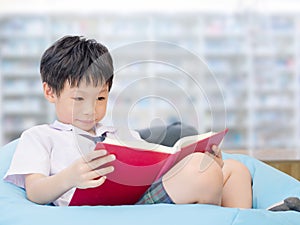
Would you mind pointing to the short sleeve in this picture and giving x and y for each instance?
(32, 155)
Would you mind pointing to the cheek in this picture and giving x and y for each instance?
(76, 107)
(65, 113)
(101, 110)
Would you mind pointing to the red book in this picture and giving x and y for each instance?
(138, 165)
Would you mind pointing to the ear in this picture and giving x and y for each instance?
(48, 93)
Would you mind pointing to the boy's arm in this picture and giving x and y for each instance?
(86, 172)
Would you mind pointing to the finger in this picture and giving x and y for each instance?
(218, 155)
(94, 154)
(105, 171)
(216, 150)
(94, 183)
(98, 182)
(218, 160)
(101, 161)
(211, 151)
(99, 172)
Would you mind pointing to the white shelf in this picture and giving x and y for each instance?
(253, 57)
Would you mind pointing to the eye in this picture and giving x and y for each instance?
(78, 98)
(101, 98)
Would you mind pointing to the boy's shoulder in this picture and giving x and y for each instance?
(45, 133)
(39, 130)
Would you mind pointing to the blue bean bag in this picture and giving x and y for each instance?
(269, 186)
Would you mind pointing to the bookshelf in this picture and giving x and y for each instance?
(22, 103)
(249, 79)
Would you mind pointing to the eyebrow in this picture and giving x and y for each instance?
(83, 91)
(104, 90)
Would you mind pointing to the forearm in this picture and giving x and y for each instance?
(85, 172)
(46, 189)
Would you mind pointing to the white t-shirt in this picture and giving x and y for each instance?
(48, 149)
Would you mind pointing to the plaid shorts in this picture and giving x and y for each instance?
(155, 194)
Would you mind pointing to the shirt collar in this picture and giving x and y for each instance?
(100, 129)
(61, 126)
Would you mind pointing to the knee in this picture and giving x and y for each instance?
(195, 179)
(199, 163)
(236, 168)
(206, 179)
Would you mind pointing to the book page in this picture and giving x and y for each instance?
(201, 142)
(141, 145)
(185, 141)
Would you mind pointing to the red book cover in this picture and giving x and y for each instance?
(137, 166)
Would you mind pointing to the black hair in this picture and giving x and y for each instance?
(73, 59)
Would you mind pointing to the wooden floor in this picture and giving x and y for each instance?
(290, 167)
(288, 161)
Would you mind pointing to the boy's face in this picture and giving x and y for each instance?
(82, 106)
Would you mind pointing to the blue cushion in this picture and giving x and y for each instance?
(269, 187)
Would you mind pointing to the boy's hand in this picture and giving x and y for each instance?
(86, 172)
(216, 153)
(89, 171)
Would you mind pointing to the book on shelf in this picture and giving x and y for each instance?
(138, 165)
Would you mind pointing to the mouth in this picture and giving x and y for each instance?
(87, 122)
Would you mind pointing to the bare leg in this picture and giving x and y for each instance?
(196, 179)
(237, 190)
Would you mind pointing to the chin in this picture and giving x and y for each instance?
(84, 126)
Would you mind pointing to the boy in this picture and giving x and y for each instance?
(77, 76)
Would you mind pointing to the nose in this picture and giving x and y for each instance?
(89, 108)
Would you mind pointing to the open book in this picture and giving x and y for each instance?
(138, 165)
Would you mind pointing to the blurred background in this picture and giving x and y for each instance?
(207, 63)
